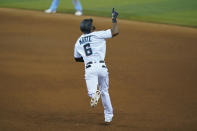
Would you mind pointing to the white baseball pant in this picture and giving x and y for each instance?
(97, 74)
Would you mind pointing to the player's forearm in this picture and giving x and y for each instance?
(115, 30)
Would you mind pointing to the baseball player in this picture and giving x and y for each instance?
(90, 48)
(55, 4)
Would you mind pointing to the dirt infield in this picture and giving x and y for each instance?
(153, 75)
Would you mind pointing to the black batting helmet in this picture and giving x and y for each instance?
(86, 26)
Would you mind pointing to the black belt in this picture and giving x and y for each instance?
(91, 62)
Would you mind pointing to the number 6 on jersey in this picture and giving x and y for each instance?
(87, 49)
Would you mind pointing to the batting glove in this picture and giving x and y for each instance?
(114, 16)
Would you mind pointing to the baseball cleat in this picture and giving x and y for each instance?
(95, 99)
(49, 11)
(78, 13)
(108, 121)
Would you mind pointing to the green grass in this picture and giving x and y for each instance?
(179, 12)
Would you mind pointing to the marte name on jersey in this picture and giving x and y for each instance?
(85, 39)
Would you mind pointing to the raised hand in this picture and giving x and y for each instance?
(114, 15)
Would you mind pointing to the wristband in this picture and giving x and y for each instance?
(114, 20)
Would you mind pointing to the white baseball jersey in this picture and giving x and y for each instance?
(92, 46)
